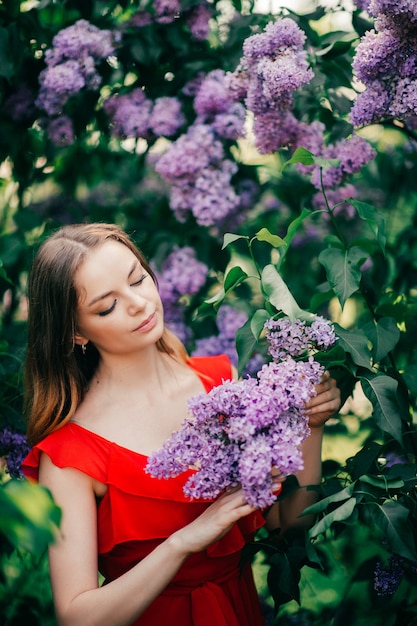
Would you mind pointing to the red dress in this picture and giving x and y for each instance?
(138, 512)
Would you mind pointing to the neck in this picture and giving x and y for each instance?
(145, 370)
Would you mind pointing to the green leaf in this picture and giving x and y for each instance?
(278, 294)
(295, 225)
(257, 322)
(369, 214)
(233, 278)
(384, 336)
(381, 482)
(29, 517)
(341, 514)
(245, 344)
(301, 155)
(392, 518)
(410, 378)
(381, 390)
(6, 63)
(265, 235)
(343, 270)
(229, 238)
(339, 496)
(355, 343)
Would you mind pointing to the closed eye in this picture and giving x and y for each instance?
(107, 311)
(140, 281)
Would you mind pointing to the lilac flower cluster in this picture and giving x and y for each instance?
(71, 64)
(166, 10)
(200, 176)
(215, 106)
(386, 63)
(134, 115)
(296, 338)
(239, 430)
(198, 20)
(387, 577)
(274, 65)
(228, 320)
(14, 447)
(182, 274)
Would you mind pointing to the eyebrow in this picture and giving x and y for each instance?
(108, 293)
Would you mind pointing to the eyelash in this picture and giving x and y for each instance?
(135, 284)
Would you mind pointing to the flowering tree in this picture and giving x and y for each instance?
(265, 164)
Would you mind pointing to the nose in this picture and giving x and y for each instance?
(136, 303)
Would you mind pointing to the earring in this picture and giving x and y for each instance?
(84, 348)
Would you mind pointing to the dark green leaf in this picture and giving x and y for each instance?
(381, 390)
(355, 343)
(369, 214)
(341, 514)
(343, 270)
(384, 336)
(392, 518)
(245, 345)
(410, 378)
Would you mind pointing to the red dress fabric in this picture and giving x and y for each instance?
(138, 512)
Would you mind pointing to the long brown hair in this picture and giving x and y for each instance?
(56, 372)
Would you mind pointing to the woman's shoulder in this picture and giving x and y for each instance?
(218, 368)
(73, 446)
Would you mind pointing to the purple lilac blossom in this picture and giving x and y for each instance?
(272, 67)
(166, 10)
(198, 21)
(71, 64)
(239, 430)
(60, 130)
(14, 447)
(166, 117)
(20, 105)
(353, 154)
(295, 338)
(181, 274)
(214, 105)
(386, 63)
(387, 577)
(200, 176)
(130, 114)
(337, 200)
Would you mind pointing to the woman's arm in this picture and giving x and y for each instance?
(73, 558)
(321, 407)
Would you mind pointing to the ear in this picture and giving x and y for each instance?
(79, 340)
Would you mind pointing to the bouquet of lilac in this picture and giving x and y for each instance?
(239, 430)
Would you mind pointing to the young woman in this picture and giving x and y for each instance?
(106, 385)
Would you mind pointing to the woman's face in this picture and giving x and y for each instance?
(119, 308)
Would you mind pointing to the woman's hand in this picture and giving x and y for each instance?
(214, 523)
(325, 403)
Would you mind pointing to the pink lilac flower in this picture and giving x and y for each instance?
(58, 84)
(239, 430)
(198, 20)
(392, 8)
(371, 105)
(130, 114)
(166, 117)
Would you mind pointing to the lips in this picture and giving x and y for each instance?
(147, 324)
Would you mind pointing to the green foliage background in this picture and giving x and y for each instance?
(368, 508)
